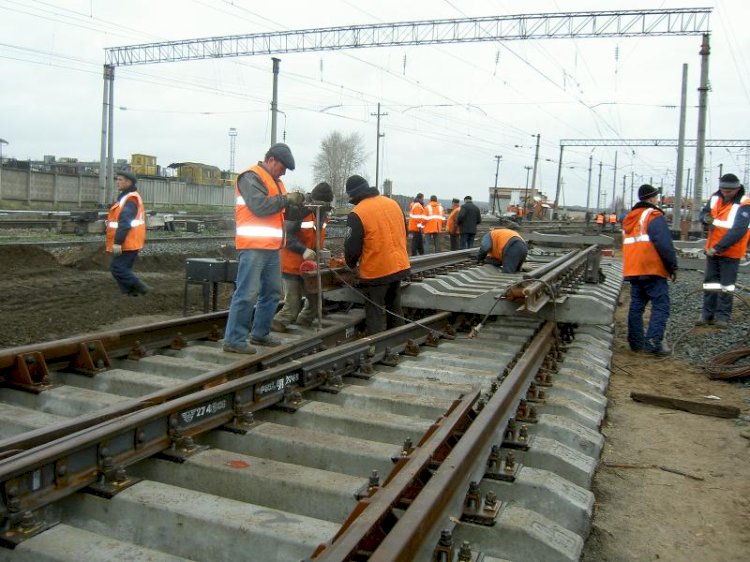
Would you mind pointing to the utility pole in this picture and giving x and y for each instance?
(2, 142)
(232, 146)
(624, 178)
(559, 178)
(588, 189)
(377, 147)
(599, 189)
(275, 99)
(677, 206)
(526, 197)
(721, 170)
(700, 144)
(498, 157)
(632, 179)
(536, 160)
(614, 182)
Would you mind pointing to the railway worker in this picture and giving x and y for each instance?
(376, 242)
(649, 259)
(599, 222)
(434, 222)
(304, 236)
(126, 234)
(503, 247)
(451, 227)
(727, 215)
(612, 221)
(260, 203)
(467, 220)
(416, 225)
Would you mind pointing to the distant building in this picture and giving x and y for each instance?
(143, 165)
(200, 174)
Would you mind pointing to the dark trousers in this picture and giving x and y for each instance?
(454, 242)
(380, 298)
(121, 268)
(514, 254)
(717, 304)
(643, 291)
(433, 242)
(467, 240)
(417, 244)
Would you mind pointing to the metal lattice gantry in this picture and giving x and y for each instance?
(710, 143)
(570, 25)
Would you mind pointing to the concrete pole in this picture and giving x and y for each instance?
(111, 139)
(559, 177)
(701, 138)
(103, 147)
(623, 192)
(614, 182)
(588, 186)
(498, 157)
(275, 98)
(599, 190)
(677, 208)
(536, 161)
(377, 148)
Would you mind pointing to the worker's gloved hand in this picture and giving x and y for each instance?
(308, 254)
(296, 198)
(711, 252)
(708, 219)
(116, 249)
(673, 277)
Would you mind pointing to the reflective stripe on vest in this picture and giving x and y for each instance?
(136, 236)
(254, 232)
(724, 215)
(718, 287)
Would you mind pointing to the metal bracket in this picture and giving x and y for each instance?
(21, 526)
(91, 358)
(478, 509)
(183, 447)
(30, 373)
(505, 470)
(242, 423)
(112, 480)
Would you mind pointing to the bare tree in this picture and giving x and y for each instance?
(339, 157)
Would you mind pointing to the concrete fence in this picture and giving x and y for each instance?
(32, 187)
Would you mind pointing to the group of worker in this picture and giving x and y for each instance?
(649, 259)
(427, 222)
(604, 219)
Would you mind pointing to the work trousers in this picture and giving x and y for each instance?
(417, 244)
(454, 242)
(298, 309)
(380, 298)
(467, 240)
(642, 291)
(121, 268)
(433, 243)
(721, 273)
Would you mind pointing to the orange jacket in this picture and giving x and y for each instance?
(612, 218)
(291, 260)
(384, 248)
(416, 217)
(724, 215)
(450, 225)
(253, 232)
(136, 236)
(600, 219)
(639, 253)
(500, 238)
(435, 217)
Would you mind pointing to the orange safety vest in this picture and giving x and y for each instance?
(435, 217)
(136, 236)
(416, 217)
(612, 218)
(724, 215)
(450, 225)
(600, 219)
(384, 245)
(500, 238)
(254, 232)
(291, 260)
(639, 253)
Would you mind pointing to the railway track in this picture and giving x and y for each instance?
(459, 436)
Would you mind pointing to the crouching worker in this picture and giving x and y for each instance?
(126, 234)
(504, 248)
(301, 232)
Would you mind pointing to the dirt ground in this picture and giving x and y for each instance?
(642, 514)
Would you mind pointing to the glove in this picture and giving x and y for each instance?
(308, 254)
(711, 252)
(673, 277)
(116, 249)
(708, 219)
(296, 198)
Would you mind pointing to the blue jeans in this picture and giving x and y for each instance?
(258, 286)
(121, 268)
(717, 305)
(642, 291)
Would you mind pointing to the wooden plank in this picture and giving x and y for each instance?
(701, 408)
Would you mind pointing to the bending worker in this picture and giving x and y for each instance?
(376, 242)
(301, 231)
(504, 248)
(727, 214)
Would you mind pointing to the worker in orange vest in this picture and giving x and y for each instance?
(451, 227)
(434, 221)
(600, 222)
(416, 225)
(504, 248)
(612, 221)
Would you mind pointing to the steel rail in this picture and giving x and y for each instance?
(97, 456)
(401, 537)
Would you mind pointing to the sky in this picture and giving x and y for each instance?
(450, 109)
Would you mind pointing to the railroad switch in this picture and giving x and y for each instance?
(479, 510)
(30, 373)
(91, 359)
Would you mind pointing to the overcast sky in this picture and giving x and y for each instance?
(451, 108)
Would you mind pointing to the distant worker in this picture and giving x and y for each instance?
(504, 248)
(451, 227)
(434, 222)
(649, 258)
(260, 203)
(416, 225)
(126, 234)
(727, 215)
(468, 218)
(376, 243)
(600, 222)
(303, 236)
(612, 221)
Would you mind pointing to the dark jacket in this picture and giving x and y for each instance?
(468, 218)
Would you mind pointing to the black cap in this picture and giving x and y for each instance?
(729, 181)
(647, 191)
(356, 186)
(128, 175)
(455, 200)
(322, 192)
(282, 153)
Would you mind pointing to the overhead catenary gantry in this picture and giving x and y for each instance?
(564, 25)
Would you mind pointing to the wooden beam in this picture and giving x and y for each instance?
(701, 408)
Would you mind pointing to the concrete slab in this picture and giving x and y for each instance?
(388, 379)
(386, 401)
(15, 420)
(568, 432)
(117, 381)
(66, 401)
(548, 454)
